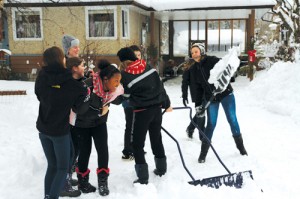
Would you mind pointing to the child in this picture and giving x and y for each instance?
(188, 80)
(147, 97)
(128, 111)
(105, 86)
(57, 92)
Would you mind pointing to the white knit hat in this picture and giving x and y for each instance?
(69, 41)
(201, 46)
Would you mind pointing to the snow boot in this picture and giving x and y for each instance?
(68, 189)
(204, 149)
(161, 166)
(102, 181)
(240, 145)
(189, 132)
(142, 173)
(83, 181)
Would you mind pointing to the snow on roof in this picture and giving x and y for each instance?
(160, 5)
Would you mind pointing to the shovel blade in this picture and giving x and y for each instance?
(232, 180)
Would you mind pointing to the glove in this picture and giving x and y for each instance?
(200, 111)
(185, 101)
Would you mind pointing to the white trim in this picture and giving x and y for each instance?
(128, 23)
(14, 24)
(87, 8)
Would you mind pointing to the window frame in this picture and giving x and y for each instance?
(101, 8)
(14, 25)
(128, 23)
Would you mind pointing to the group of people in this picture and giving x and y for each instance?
(74, 108)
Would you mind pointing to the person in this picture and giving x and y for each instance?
(71, 49)
(147, 96)
(128, 111)
(57, 93)
(105, 86)
(188, 81)
(203, 65)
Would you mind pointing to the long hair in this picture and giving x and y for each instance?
(54, 56)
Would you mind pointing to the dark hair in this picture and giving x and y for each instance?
(135, 48)
(54, 56)
(73, 61)
(106, 69)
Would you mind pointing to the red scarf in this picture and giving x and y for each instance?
(98, 88)
(136, 67)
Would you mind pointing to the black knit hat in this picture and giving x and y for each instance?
(126, 54)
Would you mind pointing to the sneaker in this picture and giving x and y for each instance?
(128, 156)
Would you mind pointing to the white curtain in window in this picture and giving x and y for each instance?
(103, 29)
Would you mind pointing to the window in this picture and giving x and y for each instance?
(27, 24)
(125, 23)
(101, 22)
(213, 36)
(225, 35)
(181, 38)
(239, 34)
(164, 47)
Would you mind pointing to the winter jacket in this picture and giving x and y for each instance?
(189, 81)
(93, 116)
(201, 74)
(145, 89)
(58, 92)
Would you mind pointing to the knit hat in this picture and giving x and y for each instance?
(201, 46)
(126, 54)
(69, 41)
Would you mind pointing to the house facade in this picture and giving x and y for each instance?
(103, 27)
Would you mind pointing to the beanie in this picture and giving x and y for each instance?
(69, 41)
(201, 46)
(126, 54)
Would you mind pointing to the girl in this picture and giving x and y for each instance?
(106, 87)
(57, 92)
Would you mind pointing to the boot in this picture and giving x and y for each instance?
(161, 166)
(189, 132)
(239, 144)
(204, 149)
(83, 181)
(142, 173)
(102, 181)
(68, 189)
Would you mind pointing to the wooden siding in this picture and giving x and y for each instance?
(25, 64)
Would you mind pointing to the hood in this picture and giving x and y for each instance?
(56, 75)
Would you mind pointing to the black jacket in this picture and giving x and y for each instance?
(58, 92)
(147, 92)
(189, 81)
(93, 116)
(202, 73)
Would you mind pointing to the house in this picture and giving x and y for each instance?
(103, 27)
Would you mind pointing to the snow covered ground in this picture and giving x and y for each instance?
(268, 112)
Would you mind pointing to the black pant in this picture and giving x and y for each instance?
(200, 121)
(149, 119)
(128, 130)
(99, 135)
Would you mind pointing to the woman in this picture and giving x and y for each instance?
(57, 92)
(203, 65)
(106, 87)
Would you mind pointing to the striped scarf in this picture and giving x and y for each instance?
(109, 96)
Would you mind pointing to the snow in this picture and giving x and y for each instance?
(268, 112)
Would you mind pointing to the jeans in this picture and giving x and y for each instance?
(228, 104)
(57, 152)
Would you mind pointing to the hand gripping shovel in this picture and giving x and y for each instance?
(230, 179)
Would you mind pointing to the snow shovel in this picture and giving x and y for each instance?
(230, 179)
